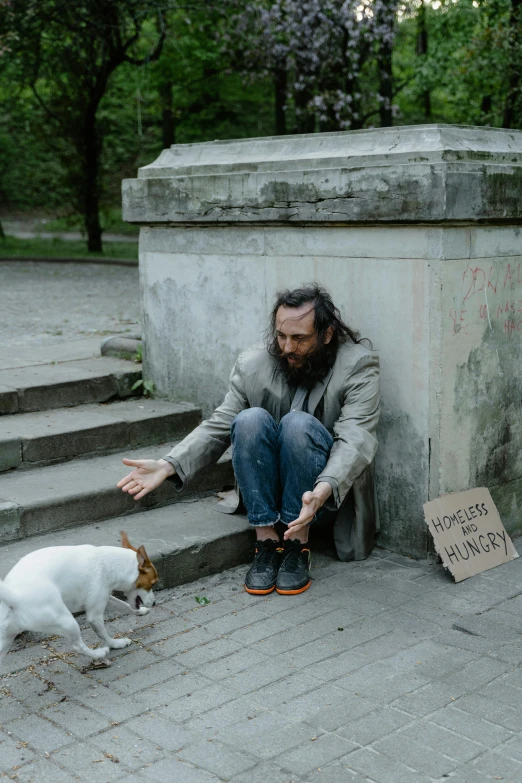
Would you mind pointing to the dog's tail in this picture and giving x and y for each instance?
(7, 596)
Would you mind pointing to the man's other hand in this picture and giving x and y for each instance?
(147, 475)
(312, 502)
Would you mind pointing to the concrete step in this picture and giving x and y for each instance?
(46, 437)
(84, 490)
(186, 541)
(22, 354)
(39, 388)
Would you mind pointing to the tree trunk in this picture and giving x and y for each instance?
(511, 108)
(422, 51)
(384, 64)
(385, 85)
(280, 85)
(485, 107)
(168, 124)
(304, 119)
(91, 195)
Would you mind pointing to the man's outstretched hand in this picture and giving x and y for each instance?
(146, 476)
(312, 502)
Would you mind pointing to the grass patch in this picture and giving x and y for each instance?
(110, 220)
(11, 247)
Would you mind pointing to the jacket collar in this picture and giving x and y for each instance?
(314, 397)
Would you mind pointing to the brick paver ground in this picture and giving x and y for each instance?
(383, 671)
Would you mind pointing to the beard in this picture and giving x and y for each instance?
(315, 366)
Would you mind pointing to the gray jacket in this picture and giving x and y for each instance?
(350, 411)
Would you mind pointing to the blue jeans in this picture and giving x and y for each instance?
(276, 464)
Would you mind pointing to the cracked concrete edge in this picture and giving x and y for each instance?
(79, 509)
(69, 393)
(10, 520)
(29, 451)
(406, 174)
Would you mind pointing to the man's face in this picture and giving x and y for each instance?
(296, 334)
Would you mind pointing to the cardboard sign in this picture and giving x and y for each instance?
(468, 533)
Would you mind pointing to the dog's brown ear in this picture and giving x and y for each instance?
(125, 541)
(143, 558)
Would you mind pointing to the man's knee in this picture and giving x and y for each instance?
(250, 422)
(297, 424)
(300, 430)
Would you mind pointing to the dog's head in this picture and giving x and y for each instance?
(141, 594)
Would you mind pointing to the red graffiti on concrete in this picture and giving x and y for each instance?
(496, 281)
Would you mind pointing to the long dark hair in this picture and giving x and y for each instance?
(326, 314)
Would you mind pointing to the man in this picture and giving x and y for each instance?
(301, 413)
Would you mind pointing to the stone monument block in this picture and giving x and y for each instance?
(416, 233)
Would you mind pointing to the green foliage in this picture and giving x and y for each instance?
(12, 247)
(64, 55)
(111, 220)
(51, 51)
(148, 387)
(465, 68)
(138, 356)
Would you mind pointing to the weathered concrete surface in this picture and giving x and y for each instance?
(121, 347)
(22, 355)
(9, 520)
(44, 387)
(51, 436)
(211, 279)
(481, 377)
(408, 174)
(8, 399)
(75, 493)
(10, 451)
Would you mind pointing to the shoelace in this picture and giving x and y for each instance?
(264, 555)
(292, 555)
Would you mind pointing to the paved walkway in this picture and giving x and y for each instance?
(52, 312)
(383, 671)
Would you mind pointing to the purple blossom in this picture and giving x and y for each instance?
(322, 46)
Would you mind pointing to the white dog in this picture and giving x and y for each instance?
(44, 588)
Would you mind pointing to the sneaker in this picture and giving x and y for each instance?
(294, 572)
(262, 574)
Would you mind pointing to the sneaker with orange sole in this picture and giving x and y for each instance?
(293, 576)
(262, 574)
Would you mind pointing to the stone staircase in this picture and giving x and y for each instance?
(65, 429)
